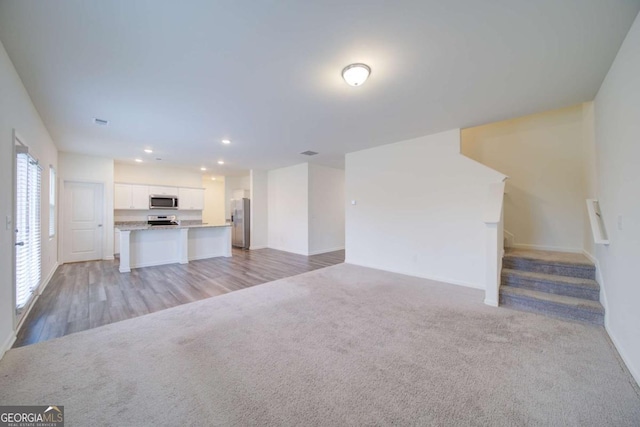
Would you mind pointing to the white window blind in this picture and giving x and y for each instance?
(52, 201)
(28, 232)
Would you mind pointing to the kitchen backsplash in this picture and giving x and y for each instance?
(127, 216)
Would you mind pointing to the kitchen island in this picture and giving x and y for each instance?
(143, 245)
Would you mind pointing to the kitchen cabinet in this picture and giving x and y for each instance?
(156, 190)
(191, 199)
(131, 196)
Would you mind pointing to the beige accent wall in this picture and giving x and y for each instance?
(213, 212)
(544, 156)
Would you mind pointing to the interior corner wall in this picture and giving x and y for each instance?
(326, 209)
(288, 204)
(81, 168)
(213, 212)
(542, 154)
(18, 112)
(617, 123)
(259, 189)
(419, 207)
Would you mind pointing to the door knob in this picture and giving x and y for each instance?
(99, 225)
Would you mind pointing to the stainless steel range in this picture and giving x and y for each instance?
(162, 220)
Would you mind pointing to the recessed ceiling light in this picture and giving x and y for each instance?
(148, 150)
(101, 122)
(221, 162)
(139, 160)
(356, 74)
(203, 169)
(226, 141)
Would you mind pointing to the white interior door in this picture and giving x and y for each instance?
(83, 227)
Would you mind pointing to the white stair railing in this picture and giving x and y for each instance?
(494, 220)
(597, 223)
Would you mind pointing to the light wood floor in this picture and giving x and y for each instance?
(86, 295)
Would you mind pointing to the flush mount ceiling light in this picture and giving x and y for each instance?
(148, 150)
(221, 162)
(203, 169)
(356, 74)
(226, 141)
(138, 160)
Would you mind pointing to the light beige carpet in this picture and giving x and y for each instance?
(339, 346)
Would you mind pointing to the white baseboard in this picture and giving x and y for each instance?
(421, 276)
(7, 344)
(253, 248)
(288, 250)
(12, 338)
(108, 258)
(324, 251)
(625, 358)
(603, 300)
(547, 248)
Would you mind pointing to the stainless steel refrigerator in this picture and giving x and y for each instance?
(240, 223)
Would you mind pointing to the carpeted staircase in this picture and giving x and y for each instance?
(554, 283)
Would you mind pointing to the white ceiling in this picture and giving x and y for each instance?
(178, 76)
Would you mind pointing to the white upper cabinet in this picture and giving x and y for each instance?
(191, 199)
(156, 190)
(130, 196)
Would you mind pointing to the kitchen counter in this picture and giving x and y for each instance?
(144, 245)
(145, 226)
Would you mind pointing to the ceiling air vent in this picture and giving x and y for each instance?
(100, 122)
(308, 153)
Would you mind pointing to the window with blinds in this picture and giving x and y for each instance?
(28, 233)
(52, 201)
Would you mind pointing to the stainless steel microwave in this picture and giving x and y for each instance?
(163, 202)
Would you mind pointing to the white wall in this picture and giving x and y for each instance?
(213, 212)
(617, 122)
(590, 176)
(326, 209)
(419, 210)
(259, 189)
(288, 201)
(81, 168)
(232, 183)
(543, 156)
(156, 175)
(17, 112)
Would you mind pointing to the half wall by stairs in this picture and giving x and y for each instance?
(553, 283)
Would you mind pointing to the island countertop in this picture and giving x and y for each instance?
(135, 226)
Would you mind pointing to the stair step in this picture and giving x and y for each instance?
(556, 305)
(551, 283)
(549, 262)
